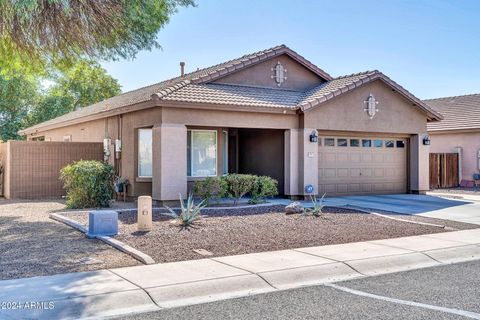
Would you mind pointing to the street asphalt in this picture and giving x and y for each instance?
(443, 292)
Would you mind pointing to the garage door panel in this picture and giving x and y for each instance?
(378, 158)
(330, 173)
(355, 172)
(342, 157)
(355, 157)
(378, 172)
(330, 188)
(354, 188)
(343, 173)
(330, 157)
(362, 169)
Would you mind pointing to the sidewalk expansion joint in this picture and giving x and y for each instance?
(146, 292)
(261, 277)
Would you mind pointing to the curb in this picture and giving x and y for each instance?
(129, 290)
(145, 258)
(140, 256)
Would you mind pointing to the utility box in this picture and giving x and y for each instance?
(144, 213)
(102, 223)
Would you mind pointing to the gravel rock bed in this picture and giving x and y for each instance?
(32, 244)
(247, 232)
(458, 191)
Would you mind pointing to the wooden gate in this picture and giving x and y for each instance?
(443, 170)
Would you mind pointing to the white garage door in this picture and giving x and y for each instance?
(362, 165)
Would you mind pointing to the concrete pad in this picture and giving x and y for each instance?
(389, 264)
(465, 236)
(453, 255)
(306, 276)
(73, 296)
(273, 260)
(155, 275)
(208, 290)
(475, 220)
(418, 243)
(352, 251)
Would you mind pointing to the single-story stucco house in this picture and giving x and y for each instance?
(458, 132)
(272, 113)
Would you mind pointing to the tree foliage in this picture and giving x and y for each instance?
(18, 94)
(84, 84)
(37, 33)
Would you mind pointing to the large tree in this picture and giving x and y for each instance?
(18, 94)
(79, 86)
(38, 33)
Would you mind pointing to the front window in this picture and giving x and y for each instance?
(145, 153)
(202, 153)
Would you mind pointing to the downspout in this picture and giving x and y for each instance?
(120, 137)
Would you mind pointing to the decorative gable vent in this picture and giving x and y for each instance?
(279, 73)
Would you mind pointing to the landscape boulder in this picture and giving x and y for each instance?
(294, 208)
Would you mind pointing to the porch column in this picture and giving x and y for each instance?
(292, 169)
(419, 164)
(169, 162)
(308, 161)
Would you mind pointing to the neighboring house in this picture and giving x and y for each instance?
(269, 113)
(458, 132)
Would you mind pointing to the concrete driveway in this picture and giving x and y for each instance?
(425, 205)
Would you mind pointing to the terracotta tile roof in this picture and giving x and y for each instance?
(195, 88)
(236, 95)
(165, 87)
(461, 112)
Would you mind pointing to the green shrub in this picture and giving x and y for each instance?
(238, 185)
(89, 184)
(189, 213)
(212, 188)
(263, 187)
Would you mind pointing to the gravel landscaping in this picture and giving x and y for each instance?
(32, 244)
(458, 190)
(227, 232)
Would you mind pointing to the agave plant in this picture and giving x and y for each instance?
(317, 207)
(189, 211)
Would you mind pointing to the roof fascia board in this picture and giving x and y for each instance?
(96, 116)
(453, 131)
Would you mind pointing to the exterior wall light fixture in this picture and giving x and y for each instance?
(314, 136)
(426, 140)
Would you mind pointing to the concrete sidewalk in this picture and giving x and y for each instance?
(151, 287)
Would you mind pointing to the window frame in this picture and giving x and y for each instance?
(350, 145)
(329, 139)
(385, 143)
(138, 153)
(191, 150)
(342, 145)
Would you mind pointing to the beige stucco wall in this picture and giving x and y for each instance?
(468, 141)
(298, 77)
(221, 118)
(92, 131)
(346, 112)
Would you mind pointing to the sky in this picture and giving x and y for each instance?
(432, 48)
